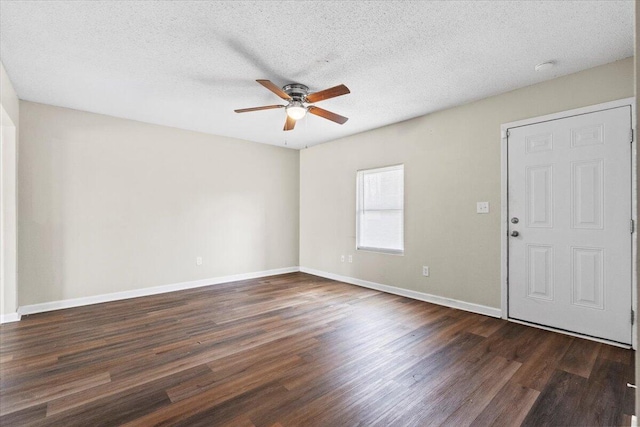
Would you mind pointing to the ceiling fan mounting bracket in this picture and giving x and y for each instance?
(296, 91)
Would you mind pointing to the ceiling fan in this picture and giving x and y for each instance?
(299, 99)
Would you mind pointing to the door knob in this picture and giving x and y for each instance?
(514, 233)
(515, 220)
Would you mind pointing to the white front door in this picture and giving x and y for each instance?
(569, 210)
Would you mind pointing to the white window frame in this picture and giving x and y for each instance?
(359, 202)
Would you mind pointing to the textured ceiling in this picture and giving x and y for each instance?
(190, 64)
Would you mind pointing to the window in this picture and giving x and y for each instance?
(380, 210)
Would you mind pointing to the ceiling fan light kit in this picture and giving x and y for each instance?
(296, 110)
(299, 102)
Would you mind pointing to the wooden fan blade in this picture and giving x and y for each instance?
(327, 115)
(266, 107)
(289, 124)
(328, 93)
(275, 89)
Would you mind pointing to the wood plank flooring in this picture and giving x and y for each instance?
(299, 350)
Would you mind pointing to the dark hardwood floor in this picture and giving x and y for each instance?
(299, 350)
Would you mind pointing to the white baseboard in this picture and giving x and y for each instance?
(97, 299)
(421, 296)
(11, 317)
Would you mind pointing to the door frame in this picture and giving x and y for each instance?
(504, 204)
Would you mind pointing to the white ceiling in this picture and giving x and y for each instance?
(190, 64)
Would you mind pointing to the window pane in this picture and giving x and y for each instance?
(380, 212)
(383, 190)
(382, 230)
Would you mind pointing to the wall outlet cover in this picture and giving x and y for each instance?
(482, 207)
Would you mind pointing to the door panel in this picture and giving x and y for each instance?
(587, 187)
(540, 196)
(588, 277)
(540, 271)
(569, 186)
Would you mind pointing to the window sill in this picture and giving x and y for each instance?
(382, 251)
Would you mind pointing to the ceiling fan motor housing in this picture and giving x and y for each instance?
(296, 91)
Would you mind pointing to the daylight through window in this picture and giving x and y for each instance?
(380, 209)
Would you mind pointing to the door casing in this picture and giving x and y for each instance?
(504, 204)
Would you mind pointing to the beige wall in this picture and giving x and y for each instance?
(110, 205)
(9, 124)
(452, 161)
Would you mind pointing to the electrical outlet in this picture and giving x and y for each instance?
(350, 258)
(482, 207)
(341, 258)
(425, 270)
(199, 260)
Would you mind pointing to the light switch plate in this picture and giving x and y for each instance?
(482, 207)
